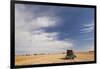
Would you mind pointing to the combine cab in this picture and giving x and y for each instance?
(70, 54)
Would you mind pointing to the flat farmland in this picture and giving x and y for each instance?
(52, 58)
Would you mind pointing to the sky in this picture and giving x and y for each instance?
(53, 29)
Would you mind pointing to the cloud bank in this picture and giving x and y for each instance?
(30, 38)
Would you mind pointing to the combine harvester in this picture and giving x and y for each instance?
(70, 54)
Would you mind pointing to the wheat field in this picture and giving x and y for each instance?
(52, 58)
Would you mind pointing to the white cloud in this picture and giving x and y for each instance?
(30, 38)
(92, 38)
(89, 25)
(29, 20)
(48, 44)
(87, 28)
(49, 21)
(40, 43)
